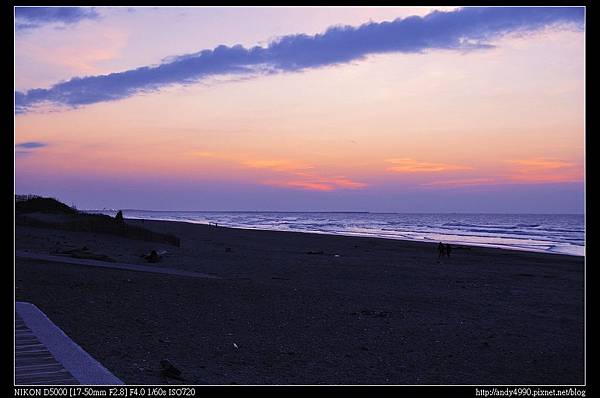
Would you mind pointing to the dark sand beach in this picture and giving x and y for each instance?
(297, 308)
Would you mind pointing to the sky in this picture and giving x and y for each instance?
(383, 109)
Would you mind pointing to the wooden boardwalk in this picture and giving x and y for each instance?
(34, 364)
(45, 355)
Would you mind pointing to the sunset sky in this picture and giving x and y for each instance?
(317, 109)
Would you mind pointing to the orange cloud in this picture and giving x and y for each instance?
(276, 165)
(543, 170)
(295, 174)
(312, 186)
(319, 184)
(409, 165)
(461, 182)
(542, 163)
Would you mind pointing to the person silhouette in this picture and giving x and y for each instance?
(441, 250)
(448, 249)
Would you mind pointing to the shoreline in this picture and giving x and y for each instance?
(359, 235)
(306, 308)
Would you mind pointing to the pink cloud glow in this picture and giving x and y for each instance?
(314, 183)
(543, 170)
(460, 182)
(289, 173)
(409, 165)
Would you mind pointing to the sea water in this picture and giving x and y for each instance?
(553, 233)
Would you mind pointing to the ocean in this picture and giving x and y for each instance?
(552, 233)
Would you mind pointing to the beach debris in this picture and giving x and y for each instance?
(152, 257)
(336, 255)
(373, 314)
(167, 369)
(315, 252)
(236, 346)
(119, 218)
(85, 253)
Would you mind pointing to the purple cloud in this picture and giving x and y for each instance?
(31, 145)
(466, 28)
(33, 17)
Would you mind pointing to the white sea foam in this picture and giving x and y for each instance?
(554, 233)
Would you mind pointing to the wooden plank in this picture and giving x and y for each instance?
(35, 356)
(21, 361)
(44, 372)
(56, 382)
(38, 354)
(61, 373)
(44, 379)
(32, 347)
(28, 340)
(32, 344)
(29, 336)
(37, 371)
(34, 364)
(34, 368)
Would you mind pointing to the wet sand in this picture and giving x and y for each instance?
(298, 308)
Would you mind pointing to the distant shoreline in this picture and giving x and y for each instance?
(332, 212)
(468, 244)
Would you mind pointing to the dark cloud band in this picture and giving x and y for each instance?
(31, 145)
(33, 17)
(461, 29)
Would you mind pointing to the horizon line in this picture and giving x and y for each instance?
(333, 211)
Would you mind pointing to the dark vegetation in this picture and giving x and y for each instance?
(37, 204)
(71, 219)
